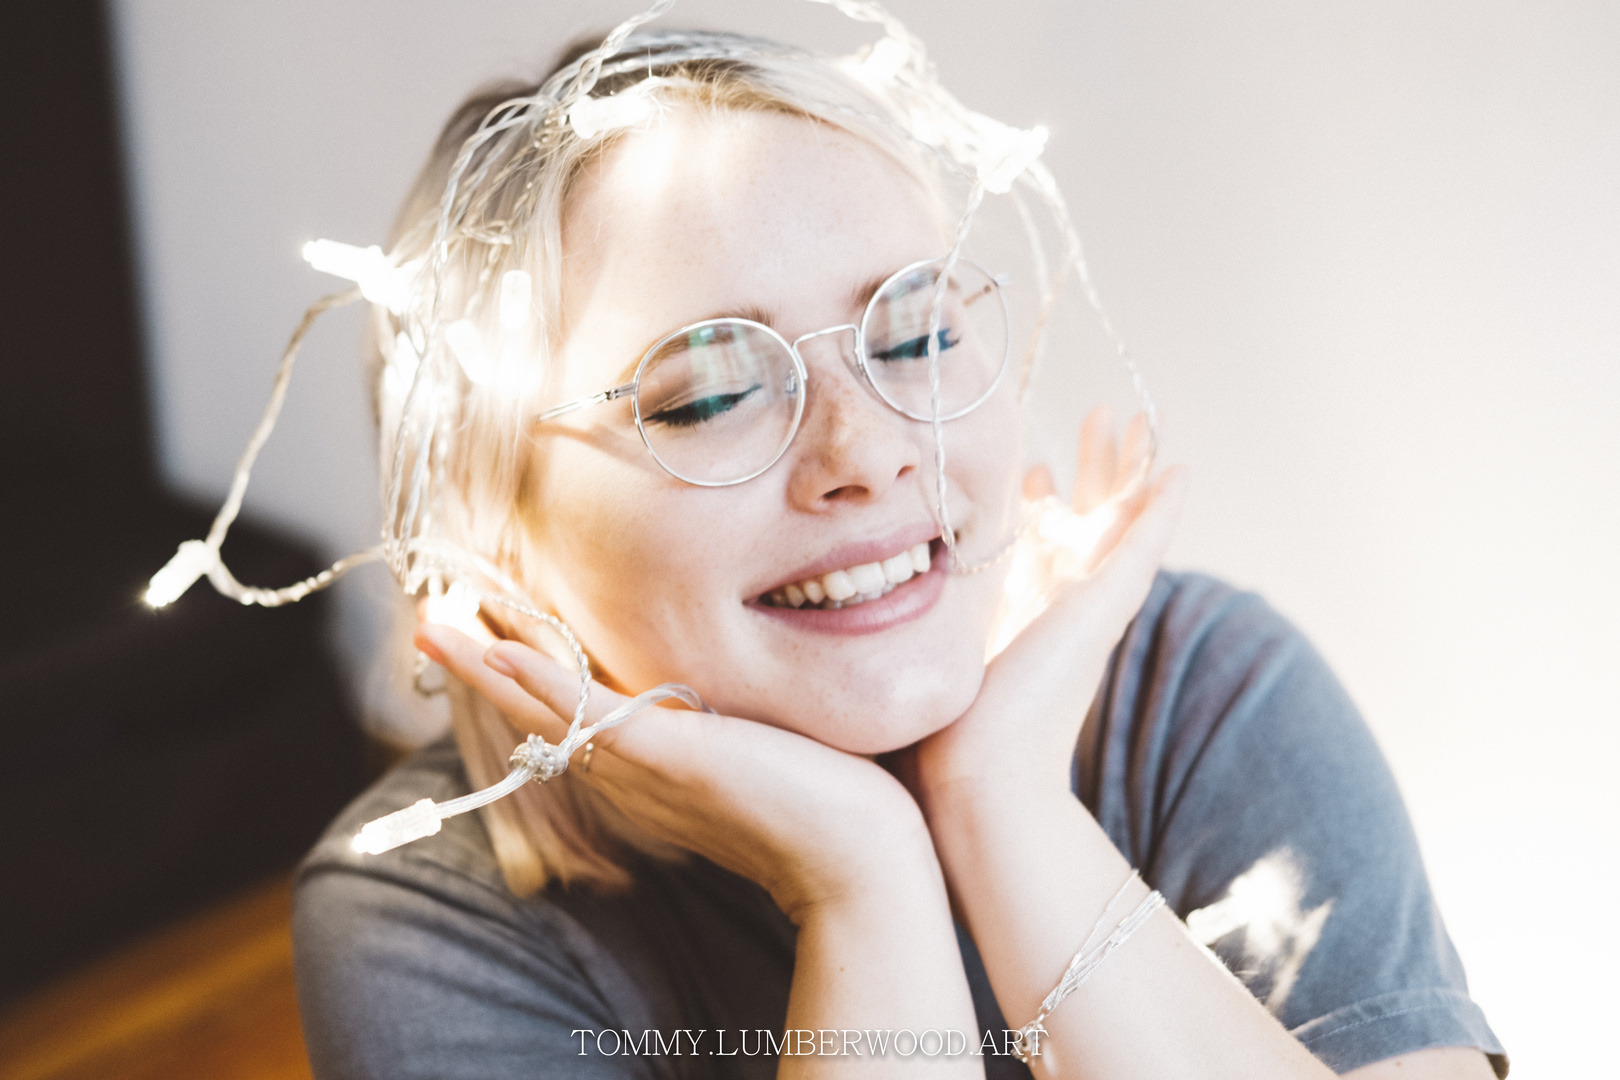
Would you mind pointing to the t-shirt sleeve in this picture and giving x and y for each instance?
(408, 967)
(1228, 763)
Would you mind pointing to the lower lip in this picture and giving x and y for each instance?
(909, 600)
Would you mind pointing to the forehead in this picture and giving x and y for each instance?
(716, 212)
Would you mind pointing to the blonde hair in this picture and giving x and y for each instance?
(485, 494)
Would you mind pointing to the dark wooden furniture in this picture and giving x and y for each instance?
(149, 761)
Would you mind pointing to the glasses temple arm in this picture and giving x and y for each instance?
(586, 402)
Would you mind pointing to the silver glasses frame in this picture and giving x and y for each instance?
(630, 388)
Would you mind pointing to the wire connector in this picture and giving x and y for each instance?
(546, 761)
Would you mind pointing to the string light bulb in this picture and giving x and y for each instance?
(881, 61)
(417, 821)
(467, 346)
(591, 116)
(379, 279)
(190, 562)
(456, 607)
(1009, 152)
(517, 289)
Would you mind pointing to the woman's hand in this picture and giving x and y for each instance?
(838, 842)
(1029, 867)
(809, 823)
(1022, 728)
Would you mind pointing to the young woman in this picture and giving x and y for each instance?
(712, 453)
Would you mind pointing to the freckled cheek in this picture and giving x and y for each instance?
(648, 554)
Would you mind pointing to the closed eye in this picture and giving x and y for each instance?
(917, 348)
(695, 412)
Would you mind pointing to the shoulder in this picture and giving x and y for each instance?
(1219, 726)
(1197, 636)
(407, 958)
(1225, 759)
(454, 867)
(1208, 676)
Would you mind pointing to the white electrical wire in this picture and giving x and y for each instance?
(514, 136)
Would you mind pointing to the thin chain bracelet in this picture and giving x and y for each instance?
(1085, 962)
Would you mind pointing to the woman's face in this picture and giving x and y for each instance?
(791, 223)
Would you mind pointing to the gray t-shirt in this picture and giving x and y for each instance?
(1221, 756)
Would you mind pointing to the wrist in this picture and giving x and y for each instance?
(989, 790)
(886, 862)
(907, 889)
(980, 825)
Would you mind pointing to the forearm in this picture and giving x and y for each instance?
(1031, 870)
(885, 960)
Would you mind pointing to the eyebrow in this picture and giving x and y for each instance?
(862, 294)
(751, 312)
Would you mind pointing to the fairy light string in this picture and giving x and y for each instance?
(488, 196)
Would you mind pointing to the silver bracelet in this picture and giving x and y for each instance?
(1085, 962)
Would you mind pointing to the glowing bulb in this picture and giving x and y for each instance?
(380, 280)
(468, 347)
(456, 607)
(404, 358)
(1008, 155)
(926, 126)
(590, 116)
(401, 827)
(516, 289)
(1077, 534)
(882, 62)
(1061, 547)
(400, 371)
(190, 562)
(344, 260)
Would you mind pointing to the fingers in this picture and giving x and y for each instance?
(464, 657)
(1038, 483)
(542, 678)
(1112, 591)
(1107, 466)
(1136, 454)
(555, 688)
(1126, 573)
(1094, 479)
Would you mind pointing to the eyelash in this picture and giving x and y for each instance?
(696, 412)
(917, 347)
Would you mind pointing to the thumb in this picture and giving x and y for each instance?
(543, 679)
(546, 713)
(558, 689)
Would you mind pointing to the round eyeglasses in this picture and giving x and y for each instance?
(718, 402)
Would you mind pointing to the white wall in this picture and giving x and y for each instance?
(1368, 254)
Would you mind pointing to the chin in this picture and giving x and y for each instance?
(879, 720)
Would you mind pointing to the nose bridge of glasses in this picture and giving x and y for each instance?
(834, 336)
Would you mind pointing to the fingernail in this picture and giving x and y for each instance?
(498, 663)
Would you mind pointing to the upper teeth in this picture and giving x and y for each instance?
(855, 584)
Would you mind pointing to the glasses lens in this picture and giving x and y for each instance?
(972, 336)
(719, 401)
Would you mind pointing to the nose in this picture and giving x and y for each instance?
(851, 448)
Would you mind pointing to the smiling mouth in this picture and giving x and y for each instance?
(853, 585)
